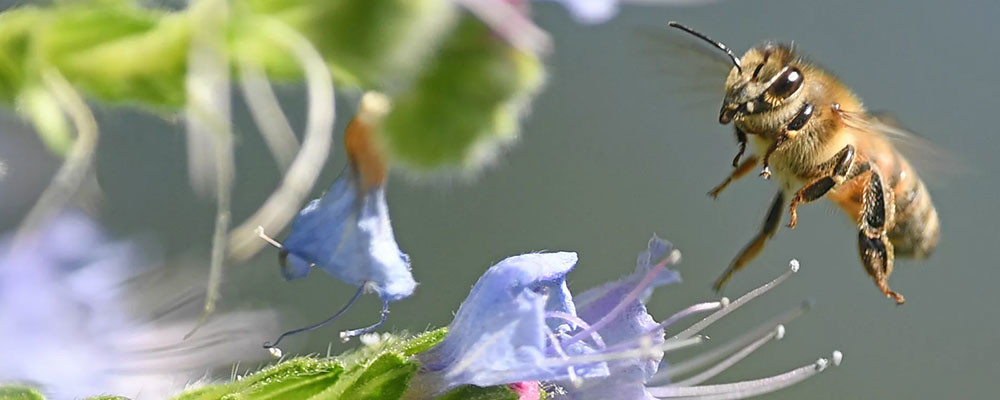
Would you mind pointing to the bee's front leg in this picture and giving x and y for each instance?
(766, 171)
(876, 251)
(840, 170)
(789, 131)
(737, 173)
(741, 138)
(753, 248)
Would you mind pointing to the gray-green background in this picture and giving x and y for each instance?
(624, 142)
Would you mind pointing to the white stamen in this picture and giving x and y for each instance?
(744, 389)
(648, 352)
(596, 337)
(837, 357)
(700, 325)
(674, 258)
(733, 359)
(724, 301)
(626, 301)
(573, 377)
(275, 352)
(793, 265)
(704, 359)
(260, 233)
(697, 308)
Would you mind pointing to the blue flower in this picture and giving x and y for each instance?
(501, 333)
(83, 316)
(347, 234)
(520, 323)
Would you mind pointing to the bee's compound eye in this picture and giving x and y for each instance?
(786, 84)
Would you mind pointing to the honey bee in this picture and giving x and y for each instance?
(813, 134)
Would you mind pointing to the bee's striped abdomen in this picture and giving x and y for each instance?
(916, 229)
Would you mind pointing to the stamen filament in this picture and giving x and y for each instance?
(357, 294)
(740, 390)
(260, 233)
(633, 295)
(573, 377)
(695, 309)
(718, 353)
(700, 325)
(777, 333)
(598, 340)
(347, 335)
(615, 354)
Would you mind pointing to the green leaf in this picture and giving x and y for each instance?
(365, 43)
(471, 392)
(465, 104)
(385, 378)
(19, 393)
(43, 110)
(118, 53)
(16, 27)
(303, 378)
(376, 371)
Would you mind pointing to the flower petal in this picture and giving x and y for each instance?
(500, 334)
(631, 327)
(348, 234)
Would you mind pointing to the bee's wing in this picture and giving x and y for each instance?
(934, 163)
(700, 69)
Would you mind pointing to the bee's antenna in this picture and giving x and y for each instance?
(702, 36)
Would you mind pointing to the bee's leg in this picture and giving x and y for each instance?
(839, 167)
(789, 131)
(766, 171)
(737, 173)
(753, 248)
(877, 254)
(741, 138)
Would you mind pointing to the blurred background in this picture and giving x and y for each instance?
(622, 143)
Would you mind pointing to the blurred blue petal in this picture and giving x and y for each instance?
(76, 324)
(500, 333)
(348, 235)
(591, 11)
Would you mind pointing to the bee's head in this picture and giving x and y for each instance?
(765, 79)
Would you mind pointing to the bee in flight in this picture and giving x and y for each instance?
(813, 134)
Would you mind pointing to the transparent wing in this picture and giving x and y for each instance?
(693, 66)
(934, 163)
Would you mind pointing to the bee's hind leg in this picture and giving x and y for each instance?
(876, 251)
(841, 168)
(753, 248)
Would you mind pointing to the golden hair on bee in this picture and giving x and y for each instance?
(813, 134)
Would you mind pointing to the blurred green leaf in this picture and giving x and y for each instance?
(466, 102)
(19, 393)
